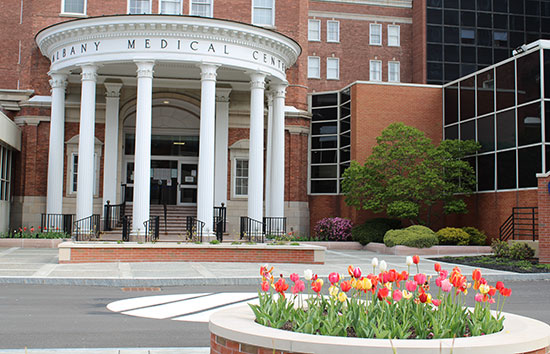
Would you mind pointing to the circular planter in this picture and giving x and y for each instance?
(236, 330)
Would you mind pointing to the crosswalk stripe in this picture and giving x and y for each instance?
(139, 302)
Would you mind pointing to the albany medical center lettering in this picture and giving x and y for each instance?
(172, 45)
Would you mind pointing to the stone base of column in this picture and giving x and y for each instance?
(137, 236)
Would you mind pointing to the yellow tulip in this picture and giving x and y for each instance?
(407, 295)
(354, 283)
(484, 289)
(367, 284)
(342, 297)
(429, 300)
(333, 290)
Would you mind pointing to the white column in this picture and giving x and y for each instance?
(110, 162)
(222, 132)
(205, 183)
(142, 156)
(54, 203)
(256, 149)
(85, 180)
(278, 152)
(268, 154)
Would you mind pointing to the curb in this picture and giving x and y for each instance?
(187, 350)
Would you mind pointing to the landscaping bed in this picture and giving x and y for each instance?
(499, 263)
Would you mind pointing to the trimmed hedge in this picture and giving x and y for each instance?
(477, 238)
(453, 236)
(413, 236)
(373, 230)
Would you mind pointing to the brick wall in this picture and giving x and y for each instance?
(220, 345)
(543, 199)
(419, 42)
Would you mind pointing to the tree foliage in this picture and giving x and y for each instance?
(407, 174)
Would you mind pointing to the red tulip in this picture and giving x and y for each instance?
(423, 298)
(499, 285)
(506, 292)
(476, 274)
(437, 267)
(492, 291)
(316, 286)
(333, 277)
(416, 259)
(345, 286)
(383, 293)
(265, 286)
(357, 273)
(281, 286)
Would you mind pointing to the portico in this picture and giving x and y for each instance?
(210, 57)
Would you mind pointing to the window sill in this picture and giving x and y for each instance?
(333, 79)
(314, 40)
(375, 44)
(69, 14)
(394, 46)
(314, 78)
(337, 42)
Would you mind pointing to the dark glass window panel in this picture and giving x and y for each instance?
(547, 148)
(485, 92)
(532, 7)
(129, 144)
(529, 164)
(452, 53)
(484, 37)
(501, 5)
(516, 39)
(500, 39)
(532, 24)
(531, 37)
(324, 171)
(484, 5)
(345, 139)
(451, 4)
(545, 8)
(343, 168)
(324, 142)
(484, 20)
(435, 3)
(324, 114)
(434, 16)
(468, 130)
(468, 18)
(450, 17)
(324, 100)
(345, 95)
(529, 124)
(451, 133)
(451, 72)
(468, 55)
(323, 186)
(500, 54)
(325, 156)
(467, 98)
(472, 162)
(345, 125)
(324, 128)
(345, 109)
(486, 133)
(468, 4)
(451, 34)
(467, 36)
(506, 170)
(505, 85)
(528, 81)
(435, 52)
(547, 76)
(466, 69)
(486, 172)
(545, 27)
(484, 55)
(345, 154)
(547, 123)
(164, 145)
(435, 34)
(435, 71)
(516, 7)
(506, 129)
(517, 23)
(500, 21)
(451, 104)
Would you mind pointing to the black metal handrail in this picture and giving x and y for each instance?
(152, 229)
(274, 226)
(523, 223)
(194, 228)
(57, 222)
(126, 227)
(112, 215)
(252, 230)
(220, 221)
(85, 228)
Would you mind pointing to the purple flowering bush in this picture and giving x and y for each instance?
(333, 229)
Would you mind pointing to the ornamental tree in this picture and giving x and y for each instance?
(406, 175)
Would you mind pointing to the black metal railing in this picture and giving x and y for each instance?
(220, 221)
(112, 215)
(274, 226)
(152, 229)
(195, 229)
(126, 227)
(252, 230)
(57, 223)
(522, 224)
(86, 228)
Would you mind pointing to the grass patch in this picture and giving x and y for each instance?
(499, 263)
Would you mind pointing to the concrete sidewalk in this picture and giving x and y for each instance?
(109, 351)
(39, 266)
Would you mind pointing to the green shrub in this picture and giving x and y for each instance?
(214, 242)
(453, 236)
(373, 230)
(477, 238)
(413, 236)
(500, 248)
(521, 251)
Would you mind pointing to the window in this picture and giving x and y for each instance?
(139, 7)
(375, 70)
(73, 176)
(170, 7)
(263, 12)
(5, 172)
(313, 67)
(73, 7)
(333, 31)
(241, 177)
(393, 36)
(333, 68)
(314, 30)
(202, 8)
(394, 71)
(375, 34)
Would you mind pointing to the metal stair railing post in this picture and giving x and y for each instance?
(275, 226)
(126, 228)
(194, 228)
(220, 221)
(252, 229)
(86, 227)
(107, 216)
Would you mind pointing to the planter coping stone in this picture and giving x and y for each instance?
(103, 244)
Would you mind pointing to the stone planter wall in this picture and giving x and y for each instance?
(31, 242)
(431, 251)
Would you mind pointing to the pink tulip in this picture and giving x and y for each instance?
(478, 297)
(491, 301)
(333, 277)
(397, 295)
(438, 281)
(446, 285)
(294, 277)
(357, 273)
(298, 287)
(265, 286)
(436, 302)
(420, 278)
(410, 285)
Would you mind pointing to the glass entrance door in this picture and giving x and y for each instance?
(164, 181)
(187, 193)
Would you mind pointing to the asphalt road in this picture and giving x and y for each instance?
(44, 316)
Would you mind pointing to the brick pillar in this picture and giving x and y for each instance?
(543, 197)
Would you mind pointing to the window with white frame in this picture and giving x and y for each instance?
(314, 67)
(333, 31)
(394, 71)
(393, 36)
(170, 7)
(333, 68)
(263, 12)
(375, 70)
(202, 8)
(241, 177)
(73, 7)
(314, 30)
(136, 7)
(375, 34)
(73, 174)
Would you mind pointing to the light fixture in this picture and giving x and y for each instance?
(179, 142)
(166, 102)
(531, 120)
